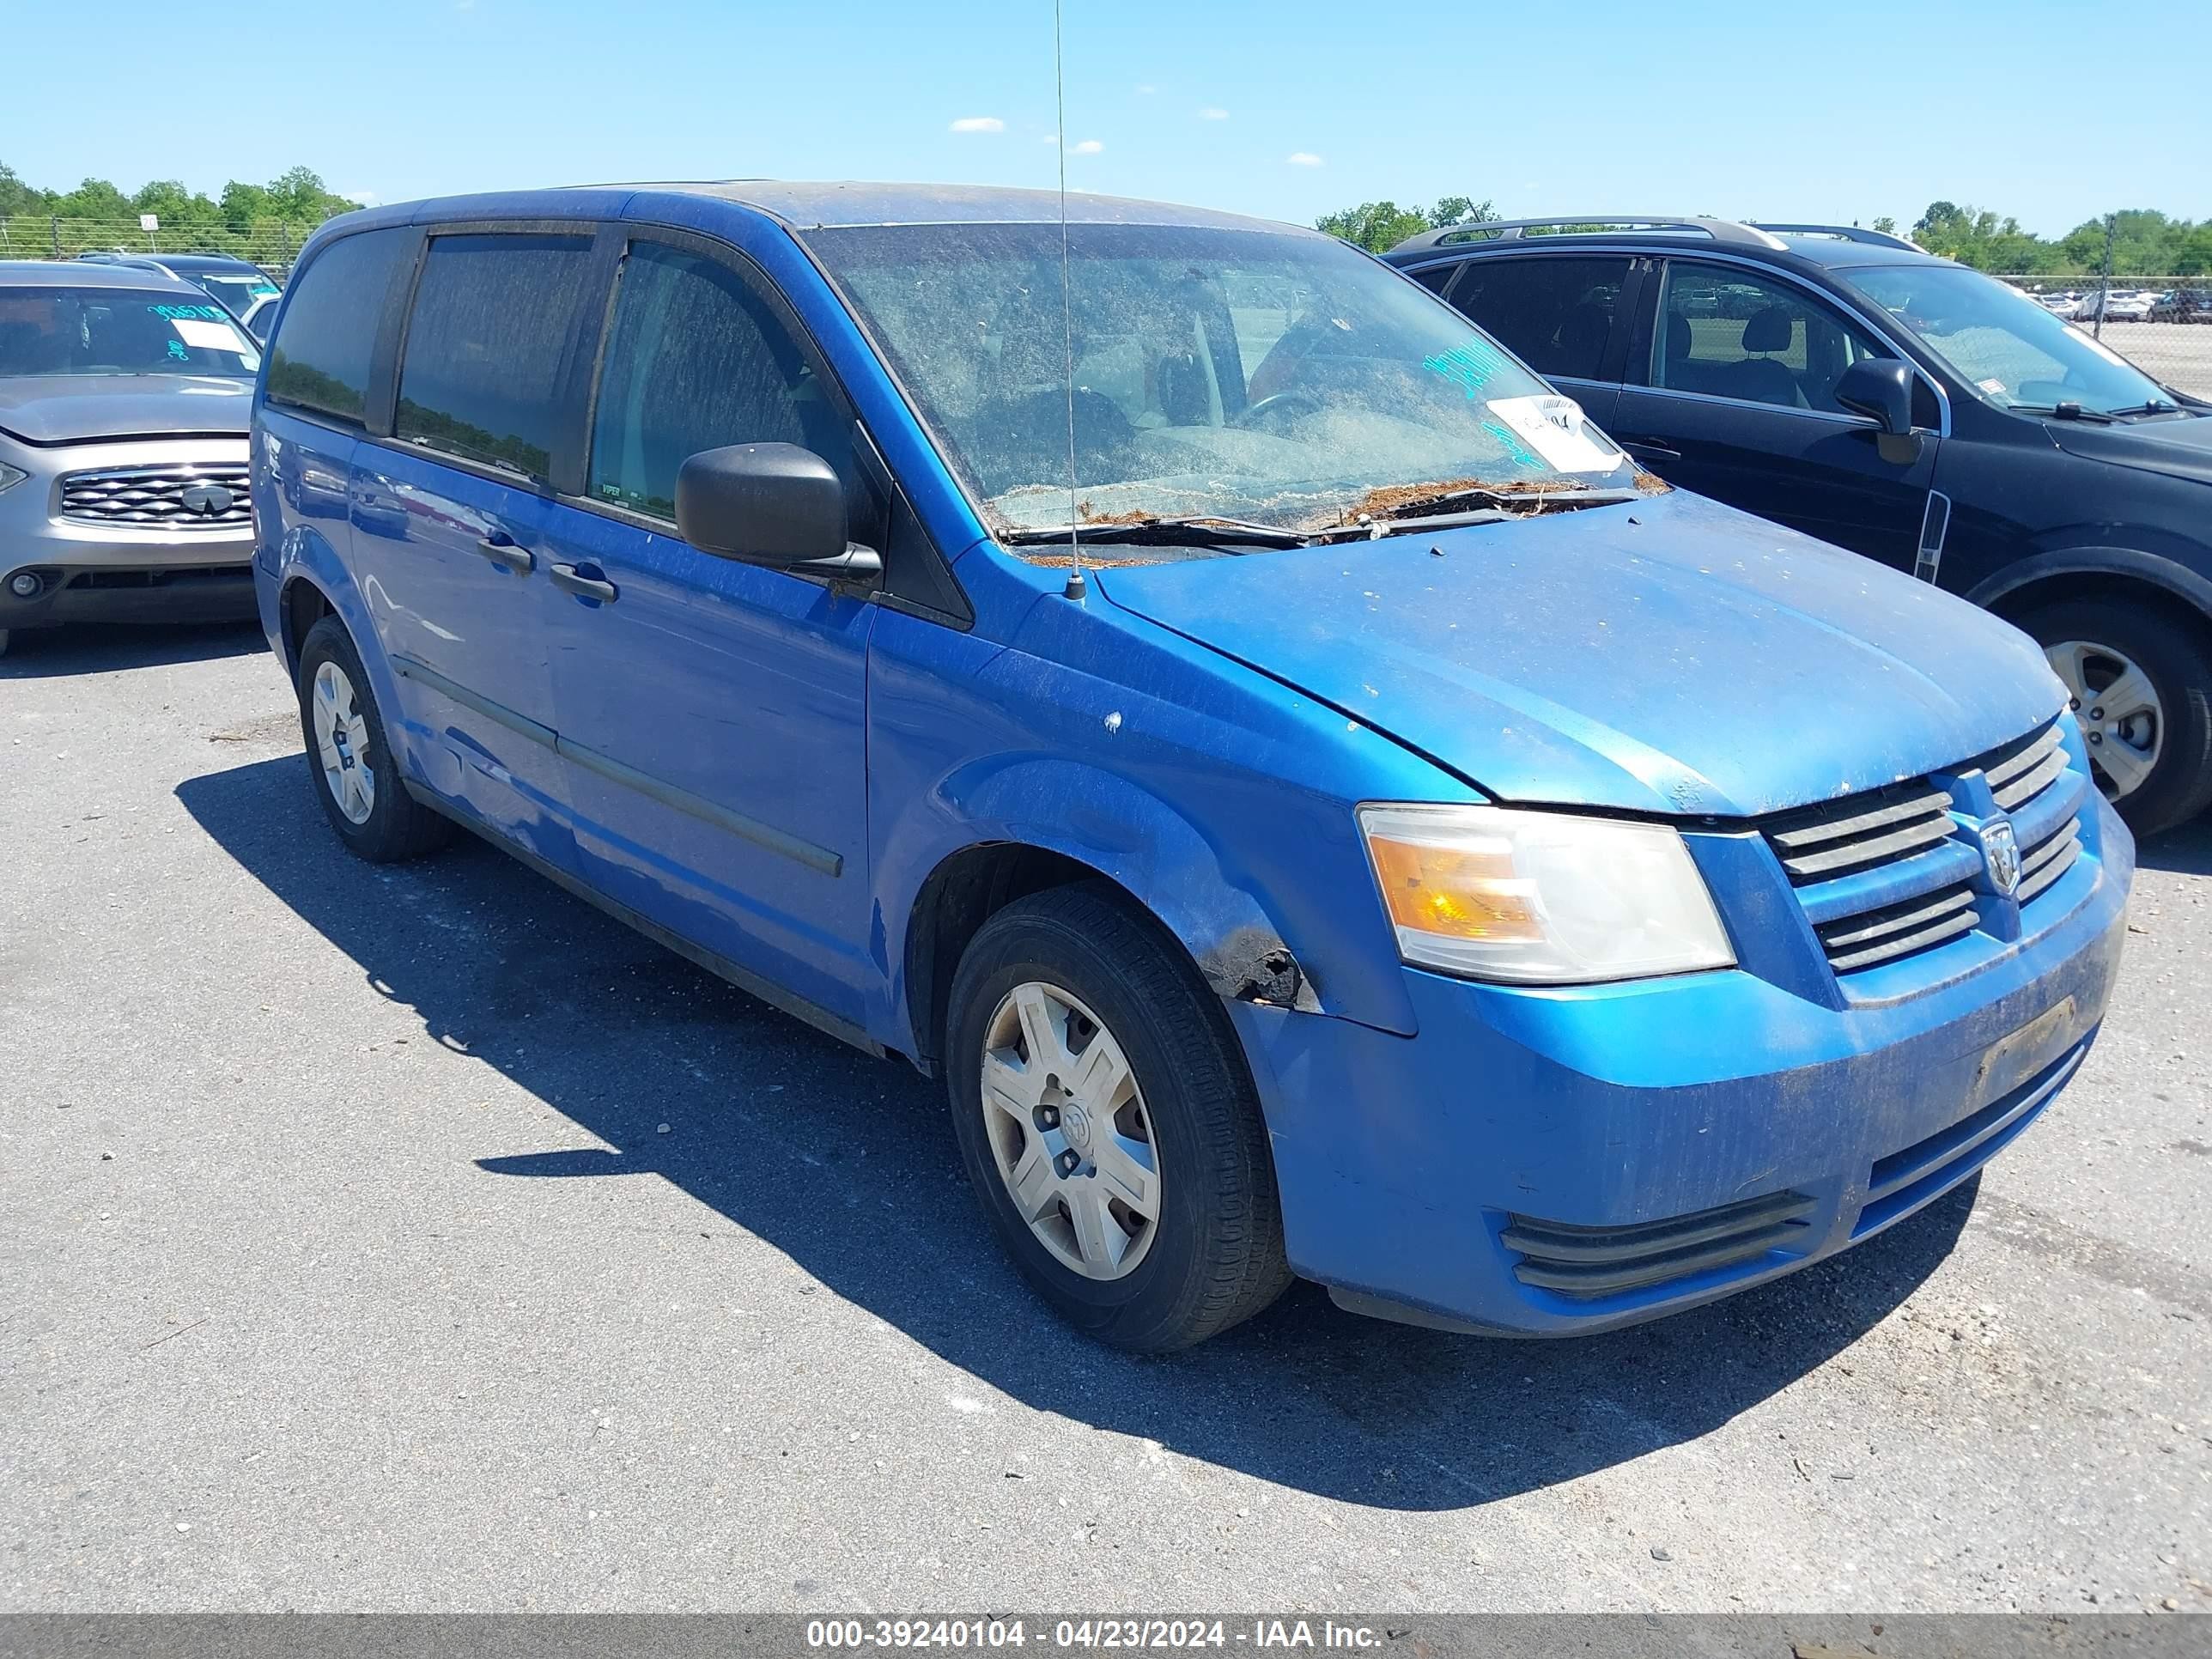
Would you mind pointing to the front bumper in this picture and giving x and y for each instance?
(90, 572)
(1527, 1138)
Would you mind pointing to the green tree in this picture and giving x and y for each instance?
(1378, 226)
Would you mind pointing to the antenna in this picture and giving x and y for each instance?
(1075, 586)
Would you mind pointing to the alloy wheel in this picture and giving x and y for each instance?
(1069, 1131)
(2123, 721)
(342, 743)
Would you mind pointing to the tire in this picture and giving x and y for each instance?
(393, 825)
(1212, 1253)
(2174, 657)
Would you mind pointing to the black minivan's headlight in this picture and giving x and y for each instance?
(1541, 897)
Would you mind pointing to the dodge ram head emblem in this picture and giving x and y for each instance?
(2001, 852)
(207, 500)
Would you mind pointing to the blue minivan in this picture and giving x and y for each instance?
(1322, 808)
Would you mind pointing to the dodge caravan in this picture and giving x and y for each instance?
(1321, 808)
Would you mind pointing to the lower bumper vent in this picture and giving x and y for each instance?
(1593, 1261)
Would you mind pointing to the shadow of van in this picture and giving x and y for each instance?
(847, 1165)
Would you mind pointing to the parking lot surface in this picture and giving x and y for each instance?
(416, 1238)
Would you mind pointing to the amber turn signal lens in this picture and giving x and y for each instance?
(1456, 892)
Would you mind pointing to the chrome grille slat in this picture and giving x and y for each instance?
(2025, 787)
(154, 496)
(1885, 875)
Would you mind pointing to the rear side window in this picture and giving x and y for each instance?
(1556, 314)
(1436, 278)
(698, 360)
(321, 363)
(486, 343)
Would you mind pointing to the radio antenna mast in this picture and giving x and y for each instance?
(1075, 586)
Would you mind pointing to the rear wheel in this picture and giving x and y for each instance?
(1108, 1124)
(348, 756)
(2141, 687)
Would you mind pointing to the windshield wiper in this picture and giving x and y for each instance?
(2068, 411)
(1197, 531)
(2153, 407)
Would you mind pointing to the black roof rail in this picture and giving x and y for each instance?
(1486, 230)
(1847, 234)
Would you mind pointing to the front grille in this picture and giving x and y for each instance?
(1594, 1262)
(1885, 875)
(156, 496)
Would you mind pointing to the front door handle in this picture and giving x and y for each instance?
(1645, 447)
(499, 547)
(570, 580)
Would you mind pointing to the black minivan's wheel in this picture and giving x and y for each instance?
(2141, 687)
(349, 759)
(1109, 1123)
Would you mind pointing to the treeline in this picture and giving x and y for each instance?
(264, 222)
(2144, 242)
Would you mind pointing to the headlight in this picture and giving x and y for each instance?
(10, 477)
(1541, 897)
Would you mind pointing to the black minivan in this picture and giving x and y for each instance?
(1850, 384)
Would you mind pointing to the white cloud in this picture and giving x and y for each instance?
(1146, 90)
(1303, 158)
(1050, 138)
(1088, 147)
(1211, 114)
(979, 124)
(366, 197)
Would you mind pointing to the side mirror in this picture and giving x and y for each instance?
(770, 504)
(1880, 387)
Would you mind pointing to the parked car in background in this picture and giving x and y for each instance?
(124, 395)
(2129, 305)
(1847, 385)
(236, 282)
(1330, 813)
(2058, 305)
(2186, 304)
(260, 317)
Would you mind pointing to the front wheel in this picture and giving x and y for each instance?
(2141, 687)
(1108, 1124)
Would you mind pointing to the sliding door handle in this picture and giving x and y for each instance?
(500, 548)
(570, 580)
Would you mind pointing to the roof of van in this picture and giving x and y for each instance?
(821, 206)
(846, 203)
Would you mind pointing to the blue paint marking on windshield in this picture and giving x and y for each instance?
(1472, 366)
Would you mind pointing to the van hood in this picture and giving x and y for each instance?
(67, 409)
(2181, 449)
(1670, 655)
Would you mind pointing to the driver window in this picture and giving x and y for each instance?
(697, 358)
(1732, 333)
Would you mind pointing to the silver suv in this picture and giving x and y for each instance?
(124, 396)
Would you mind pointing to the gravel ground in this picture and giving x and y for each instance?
(416, 1239)
(2179, 354)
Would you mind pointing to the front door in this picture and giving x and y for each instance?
(1732, 394)
(712, 713)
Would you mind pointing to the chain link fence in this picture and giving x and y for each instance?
(269, 243)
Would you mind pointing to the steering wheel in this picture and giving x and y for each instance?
(1281, 406)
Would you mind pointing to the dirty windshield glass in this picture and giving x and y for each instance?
(109, 331)
(1272, 378)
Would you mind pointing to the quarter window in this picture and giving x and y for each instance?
(1731, 333)
(1555, 313)
(698, 359)
(486, 345)
(321, 362)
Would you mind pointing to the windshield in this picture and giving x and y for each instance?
(238, 291)
(113, 330)
(1272, 378)
(2004, 345)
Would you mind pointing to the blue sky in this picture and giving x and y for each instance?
(1287, 109)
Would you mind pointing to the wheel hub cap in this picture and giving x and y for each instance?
(1069, 1131)
(2123, 720)
(341, 731)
